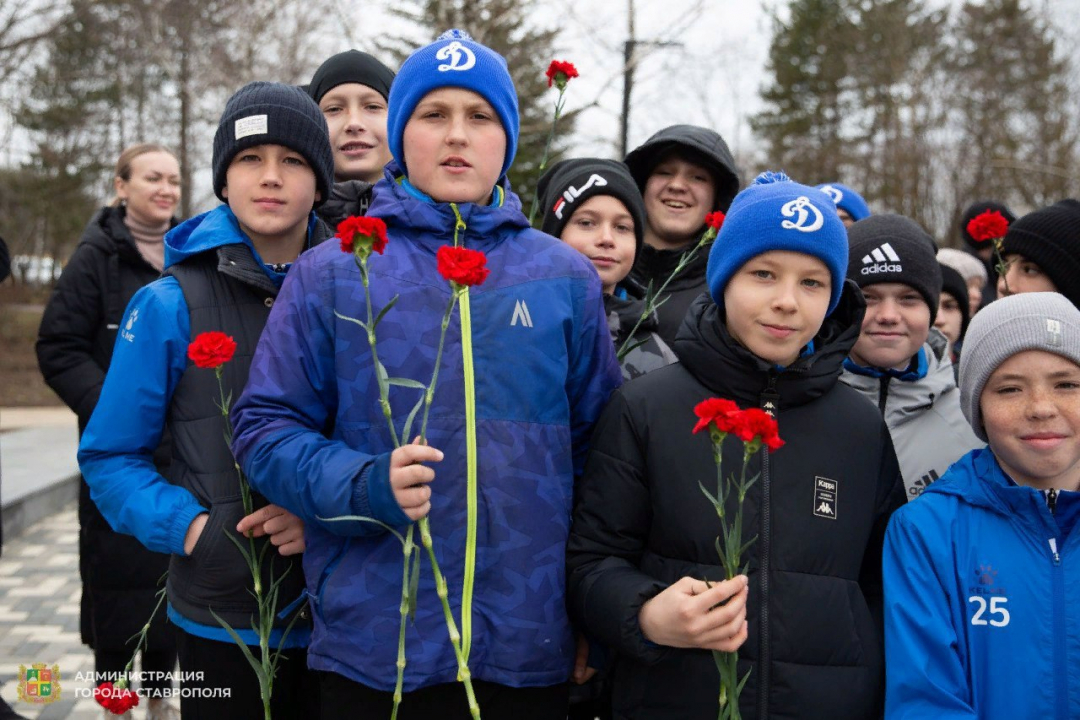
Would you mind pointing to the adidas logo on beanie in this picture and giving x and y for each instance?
(893, 249)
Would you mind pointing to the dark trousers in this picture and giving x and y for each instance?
(224, 667)
(153, 661)
(340, 698)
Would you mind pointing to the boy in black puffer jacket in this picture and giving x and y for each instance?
(773, 334)
(594, 206)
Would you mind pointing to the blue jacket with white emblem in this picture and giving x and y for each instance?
(982, 618)
(526, 369)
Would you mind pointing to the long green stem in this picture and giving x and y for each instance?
(547, 149)
(653, 300)
(404, 609)
(455, 636)
(384, 391)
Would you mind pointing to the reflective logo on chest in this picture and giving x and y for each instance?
(825, 496)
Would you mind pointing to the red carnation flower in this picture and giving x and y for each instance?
(560, 72)
(718, 412)
(988, 225)
(715, 220)
(117, 700)
(362, 234)
(754, 424)
(211, 349)
(462, 266)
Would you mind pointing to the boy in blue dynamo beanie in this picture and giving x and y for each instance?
(850, 205)
(526, 368)
(645, 578)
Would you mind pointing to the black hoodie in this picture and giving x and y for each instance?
(815, 646)
(655, 266)
(348, 198)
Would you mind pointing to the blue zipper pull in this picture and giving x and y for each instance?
(1054, 551)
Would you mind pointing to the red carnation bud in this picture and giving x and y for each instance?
(988, 225)
(715, 220)
(560, 72)
(362, 235)
(462, 266)
(211, 349)
(117, 699)
(718, 412)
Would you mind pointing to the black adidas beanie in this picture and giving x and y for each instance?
(978, 208)
(1050, 238)
(952, 282)
(893, 249)
(569, 183)
(265, 113)
(351, 66)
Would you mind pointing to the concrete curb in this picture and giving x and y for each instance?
(21, 513)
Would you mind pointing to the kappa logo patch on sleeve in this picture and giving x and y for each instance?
(825, 492)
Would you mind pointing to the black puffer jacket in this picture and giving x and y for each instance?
(655, 266)
(815, 647)
(348, 198)
(74, 348)
(646, 350)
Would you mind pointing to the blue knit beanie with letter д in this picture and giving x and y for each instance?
(847, 199)
(775, 213)
(454, 60)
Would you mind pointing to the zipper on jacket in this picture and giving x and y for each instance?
(1060, 631)
(770, 403)
(883, 394)
(469, 579)
(1051, 500)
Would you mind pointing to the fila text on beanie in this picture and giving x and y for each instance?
(775, 213)
(264, 113)
(568, 184)
(454, 60)
(894, 249)
(847, 199)
(1029, 321)
(1050, 238)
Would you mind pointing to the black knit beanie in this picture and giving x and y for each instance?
(264, 113)
(351, 66)
(1050, 238)
(569, 183)
(978, 208)
(893, 249)
(952, 282)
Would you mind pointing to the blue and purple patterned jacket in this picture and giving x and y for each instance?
(527, 367)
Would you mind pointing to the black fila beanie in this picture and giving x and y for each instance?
(569, 183)
(893, 249)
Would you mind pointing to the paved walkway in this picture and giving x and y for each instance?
(39, 569)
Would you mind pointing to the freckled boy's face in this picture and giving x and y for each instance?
(454, 146)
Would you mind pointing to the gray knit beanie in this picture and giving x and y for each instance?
(969, 266)
(1028, 321)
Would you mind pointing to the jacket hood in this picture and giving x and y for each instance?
(434, 222)
(908, 399)
(710, 354)
(702, 142)
(203, 232)
(977, 479)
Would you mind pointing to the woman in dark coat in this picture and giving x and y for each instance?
(121, 250)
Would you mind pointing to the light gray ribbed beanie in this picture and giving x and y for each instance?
(1029, 321)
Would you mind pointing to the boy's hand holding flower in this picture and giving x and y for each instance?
(693, 614)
